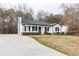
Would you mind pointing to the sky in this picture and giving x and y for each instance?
(51, 6)
(47, 7)
(40, 1)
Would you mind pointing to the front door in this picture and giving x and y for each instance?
(39, 29)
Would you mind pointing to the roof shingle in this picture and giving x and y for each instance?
(34, 22)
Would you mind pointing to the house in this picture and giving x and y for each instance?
(32, 26)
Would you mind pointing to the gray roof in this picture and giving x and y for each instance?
(34, 22)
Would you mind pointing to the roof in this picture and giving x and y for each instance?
(34, 22)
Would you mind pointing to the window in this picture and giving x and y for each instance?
(24, 28)
(34, 28)
(56, 28)
(46, 28)
(28, 28)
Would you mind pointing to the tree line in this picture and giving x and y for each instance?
(70, 17)
(8, 17)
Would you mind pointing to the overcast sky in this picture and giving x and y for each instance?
(47, 5)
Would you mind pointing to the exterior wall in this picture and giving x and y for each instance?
(64, 29)
(53, 28)
(50, 29)
(27, 28)
(42, 28)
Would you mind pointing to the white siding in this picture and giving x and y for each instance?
(57, 25)
(51, 29)
(27, 29)
(64, 29)
(42, 28)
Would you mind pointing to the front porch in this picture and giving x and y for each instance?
(35, 29)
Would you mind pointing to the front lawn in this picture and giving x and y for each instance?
(68, 45)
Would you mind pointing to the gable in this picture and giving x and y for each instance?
(57, 25)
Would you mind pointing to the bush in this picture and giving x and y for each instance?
(47, 33)
(30, 33)
(57, 33)
(68, 33)
(62, 33)
(71, 33)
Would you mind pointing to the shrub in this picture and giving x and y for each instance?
(30, 33)
(47, 33)
(62, 33)
(57, 33)
(71, 33)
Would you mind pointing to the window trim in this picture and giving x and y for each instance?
(57, 29)
(34, 28)
(46, 28)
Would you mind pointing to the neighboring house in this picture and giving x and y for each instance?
(30, 26)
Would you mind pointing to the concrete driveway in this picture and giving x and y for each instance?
(16, 45)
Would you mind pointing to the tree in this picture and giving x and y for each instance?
(19, 13)
(1, 12)
(8, 17)
(71, 16)
(28, 16)
(53, 18)
(41, 15)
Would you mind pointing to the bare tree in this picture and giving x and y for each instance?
(8, 16)
(41, 15)
(71, 16)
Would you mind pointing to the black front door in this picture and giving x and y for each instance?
(39, 29)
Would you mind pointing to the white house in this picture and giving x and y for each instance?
(30, 26)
